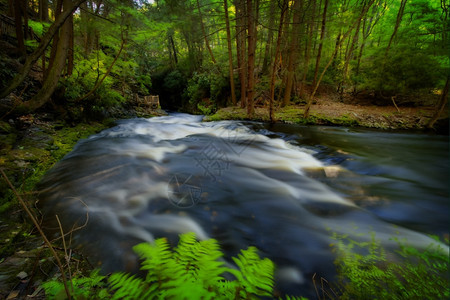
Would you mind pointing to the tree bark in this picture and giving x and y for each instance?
(11, 8)
(18, 14)
(440, 108)
(308, 46)
(251, 24)
(175, 58)
(344, 37)
(37, 53)
(230, 53)
(70, 53)
(275, 60)
(293, 51)
(400, 13)
(204, 34)
(51, 82)
(240, 48)
(97, 85)
(267, 56)
(322, 36)
(43, 10)
(57, 11)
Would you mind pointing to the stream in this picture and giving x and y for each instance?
(282, 188)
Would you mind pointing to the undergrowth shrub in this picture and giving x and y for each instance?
(364, 272)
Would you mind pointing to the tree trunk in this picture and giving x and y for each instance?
(37, 53)
(275, 60)
(240, 48)
(230, 53)
(43, 10)
(344, 37)
(350, 51)
(440, 108)
(58, 10)
(400, 13)
(51, 82)
(308, 47)
(173, 49)
(293, 51)
(11, 8)
(70, 53)
(204, 34)
(267, 56)
(284, 50)
(349, 55)
(97, 85)
(322, 35)
(251, 12)
(18, 14)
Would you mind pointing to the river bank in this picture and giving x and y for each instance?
(335, 113)
(30, 145)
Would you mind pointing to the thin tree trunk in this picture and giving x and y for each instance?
(58, 10)
(397, 25)
(322, 35)
(43, 10)
(37, 53)
(267, 56)
(293, 51)
(174, 50)
(251, 12)
(344, 37)
(440, 108)
(230, 53)
(97, 85)
(18, 14)
(240, 48)
(350, 50)
(284, 50)
(25, 19)
(50, 83)
(11, 8)
(70, 54)
(308, 47)
(204, 34)
(275, 60)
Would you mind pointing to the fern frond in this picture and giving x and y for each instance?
(53, 289)
(256, 273)
(127, 286)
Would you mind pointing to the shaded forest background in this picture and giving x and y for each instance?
(90, 59)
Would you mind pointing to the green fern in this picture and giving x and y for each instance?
(421, 274)
(192, 270)
(80, 287)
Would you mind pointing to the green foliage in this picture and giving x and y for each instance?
(193, 270)
(80, 287)
(37, 27)
(366, 273)
(402, 72)
(198, 87)
(207, 91)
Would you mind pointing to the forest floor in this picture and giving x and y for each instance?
(31, 144)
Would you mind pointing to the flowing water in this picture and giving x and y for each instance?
(282, 188)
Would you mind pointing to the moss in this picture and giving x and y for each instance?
(229, 113)
(35, 154)
(5, 127)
